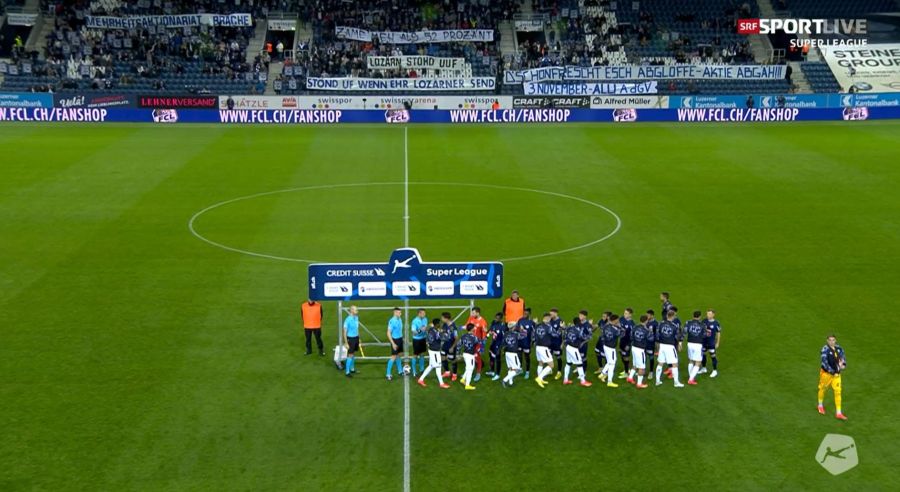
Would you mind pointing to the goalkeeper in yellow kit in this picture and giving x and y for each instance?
(833, 363)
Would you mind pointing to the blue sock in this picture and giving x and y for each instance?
(348, 365)
(421, 363)
(353, 365)
(389, 367)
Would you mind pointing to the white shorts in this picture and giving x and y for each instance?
(470, 360)
(573, 355)
(638, 357)
(695, 352)
(512, 362)
(543, 355)
(610, 354)
(434, 358)
(667, 354)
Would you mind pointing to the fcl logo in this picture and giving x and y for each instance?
(837, 453)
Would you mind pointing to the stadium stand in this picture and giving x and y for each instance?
(832, 9)
(202, 59)
(604, 32)
(576, 32)
(820, 77)
(328, 56)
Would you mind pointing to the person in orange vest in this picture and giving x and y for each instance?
(514, 308)
(312, 324)
(269, 48)
(496, 105)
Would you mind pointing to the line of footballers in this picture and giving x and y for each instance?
(647, 348)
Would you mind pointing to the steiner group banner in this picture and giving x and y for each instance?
(394, 37)
(645, 72)
(417, 62)
(874, 67)
(419, 84)
(169, 21)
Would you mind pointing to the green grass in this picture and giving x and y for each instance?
(133, 356)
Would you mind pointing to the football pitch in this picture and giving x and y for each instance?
(136, 356)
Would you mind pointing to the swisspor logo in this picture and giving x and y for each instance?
(439, 288)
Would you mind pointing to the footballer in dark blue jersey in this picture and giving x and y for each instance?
(640, 340)
(652, 327)
(468, 344)
(598, 348)
(675, 319)
(448, 349)
(575, 339)
(556, 328)
(542, 342)
(512, 348)
(695, 331)
(435, 344)
(497, 329)
(526, 326)
(711, 347)
(669, 339)
(627, 323)
(610, 335)
(666, 305)
(587, 332)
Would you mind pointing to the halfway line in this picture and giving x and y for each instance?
(406, 311)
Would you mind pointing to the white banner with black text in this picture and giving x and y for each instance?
(416, 62)
(416, 84)
(394, 37)
(169, 21)
(589, 88)
(645, 72)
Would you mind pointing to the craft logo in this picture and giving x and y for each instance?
(165, 116)
(814, 28)
(551, 102)
(837, 453)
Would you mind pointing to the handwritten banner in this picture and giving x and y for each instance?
(436, 62)
(645, 72)
(394, 37)
(169, 21)
(588, 89)
(419, 84)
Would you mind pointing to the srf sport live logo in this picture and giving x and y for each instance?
(808, 27)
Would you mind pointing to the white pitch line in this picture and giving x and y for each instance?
(405, 187)
(192, 221)
(406, 466)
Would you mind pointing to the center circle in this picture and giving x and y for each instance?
(512, 225)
